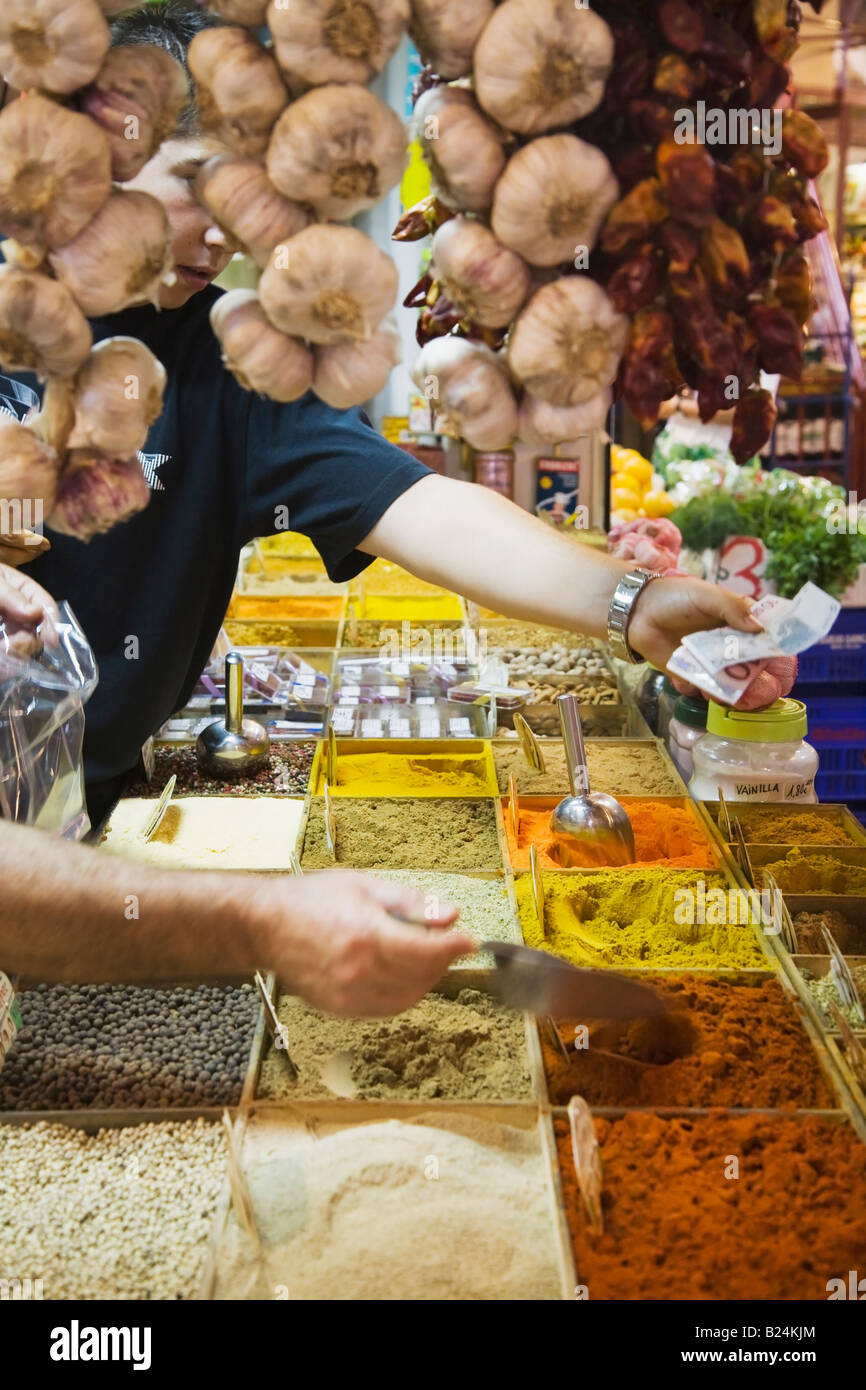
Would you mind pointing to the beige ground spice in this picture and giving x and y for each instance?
(402, 833)
(468, 1048)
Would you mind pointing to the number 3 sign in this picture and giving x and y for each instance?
(741, 564)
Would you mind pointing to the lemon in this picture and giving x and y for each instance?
(640, 470)
(658, 503)
(625, 497)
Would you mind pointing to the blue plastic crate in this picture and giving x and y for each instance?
(841, 656)
(840, 786)
(837, 722)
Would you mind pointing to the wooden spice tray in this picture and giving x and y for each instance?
(694, 1112)
(328, 1117)
(826, 1061)
(411, 748)
(449, 986)
(834, 813)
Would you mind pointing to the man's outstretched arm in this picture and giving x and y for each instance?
(470, 539)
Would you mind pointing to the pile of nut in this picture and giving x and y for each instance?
(559, 660)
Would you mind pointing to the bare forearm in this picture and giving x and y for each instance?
(70, 912)
(474, 541)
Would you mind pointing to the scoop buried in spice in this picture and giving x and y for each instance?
(546, 986)
(236, 746)
(591, 829)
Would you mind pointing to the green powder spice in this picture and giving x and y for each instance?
(485, 908)
(823, 990)
(620, 770)
(777, 825)
(639, 918)
(402, 833)
(817, 873)
(467, 1048)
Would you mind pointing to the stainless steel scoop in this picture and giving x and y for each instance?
(592, 830)
(236, 746)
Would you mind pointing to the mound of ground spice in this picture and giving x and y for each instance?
(723, 1041)
(404, 833)
(817, 873)
(849, 936)
(666, 835)
(637, 919)
(622, 770)
(775, 825)
(720, 1206)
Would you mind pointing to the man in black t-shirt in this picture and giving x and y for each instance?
(225, 466)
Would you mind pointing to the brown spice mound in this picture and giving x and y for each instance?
(720, 1206)
(402, 833)
(468, 1048)
(773, 825)
(849, 937)
(725, 1041)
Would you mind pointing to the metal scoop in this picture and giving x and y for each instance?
(237, 746)
(591, 829)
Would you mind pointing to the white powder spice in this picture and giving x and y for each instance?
(485, 910)
(440, 1207)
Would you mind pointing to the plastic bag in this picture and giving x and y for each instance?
(42, 699)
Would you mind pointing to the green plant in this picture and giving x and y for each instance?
(789, 515)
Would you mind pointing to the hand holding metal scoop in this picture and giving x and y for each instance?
(592, 830)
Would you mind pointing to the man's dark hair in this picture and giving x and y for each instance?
(172, 25)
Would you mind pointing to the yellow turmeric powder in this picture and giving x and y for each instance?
(646, 917)
(396, 774)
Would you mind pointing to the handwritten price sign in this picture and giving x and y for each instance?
(742, 561)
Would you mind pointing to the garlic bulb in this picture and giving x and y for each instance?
(28, 467)
(349, 374)
(540, 64)
(339, 148)
(42, 329)
(540, 424)
(567, 342)
(55, 173)
(118, 395)
(445, 33)
(27, 257)
(469, 384)
(57, 45)
(249, 12)
(553, 198)
(96, 492)
(319, 41)
(328, 284)
(56, 417)
(486, 283)
(259, 357)
(242, 199)
(463, 149)
(136, 98)
(239, 90)
(121, 258)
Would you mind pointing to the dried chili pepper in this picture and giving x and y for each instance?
(674, 77)
(772, 223)
(768, 81)
(754, 419)
(649, 373)
(727, 53)
(808, 217)
(804, 144)
(687, 174)
(698, 325)
(725, 260)
(635, 283)
(651, 120)
(780, 338)
(634, 216)
(793, 285)
(681, 24)
(681, 243)
(635, 165)
(776, 36)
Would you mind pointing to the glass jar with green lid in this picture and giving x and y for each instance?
(759, 755)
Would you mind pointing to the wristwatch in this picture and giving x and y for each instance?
(619, 614)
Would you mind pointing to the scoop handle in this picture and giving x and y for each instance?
(572, 737)
(234, 692)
